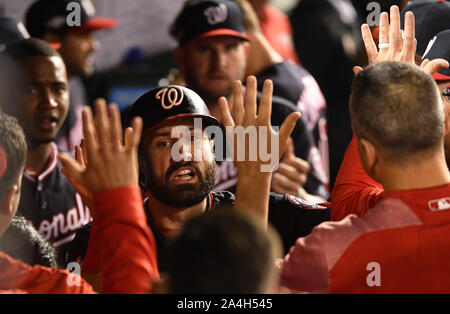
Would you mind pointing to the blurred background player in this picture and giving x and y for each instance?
(10, 31)
(212, 52)
(291, 82)
(48, 20)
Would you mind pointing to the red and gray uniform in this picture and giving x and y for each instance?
(399, 246)
(50, 202)
(126, 252)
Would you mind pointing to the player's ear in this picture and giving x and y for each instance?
(246, 49)
(9, 201)
(369, 156)
(178, 53)
(447, 123)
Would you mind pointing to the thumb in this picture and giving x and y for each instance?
(70, 165)
(289, 153)
(356, 70)
(286, 129)
(433, 66)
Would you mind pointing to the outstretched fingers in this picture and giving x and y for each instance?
(409, 43)
(133, 135)
(238, 109)
(265, 104)
(90, 133)
(250, 99)
(116, 127)
(225, 113)
(369, 43)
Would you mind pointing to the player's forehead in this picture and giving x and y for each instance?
(165, 129)
(44, 69)
(215, 41)
(443, 84)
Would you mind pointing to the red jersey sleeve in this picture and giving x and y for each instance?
(127, 247)
(354, 191)
(16, 276)
(126, 251)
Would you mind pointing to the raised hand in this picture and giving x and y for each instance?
(105, 162)
(254, 176)
(393, 46)
(245, 114)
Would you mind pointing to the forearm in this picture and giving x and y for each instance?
(252, 193)
(127, 251)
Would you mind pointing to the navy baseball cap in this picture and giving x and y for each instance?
(10, 31)
(431, 16)
(207, 18)
(167, 103)
(51, 15)
(439, 47)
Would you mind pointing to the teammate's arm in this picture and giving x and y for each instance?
(126, 248)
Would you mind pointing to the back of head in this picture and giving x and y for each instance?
(30, 47)
(22, 241)
(397, 107)
(222, 252)
(13, 151)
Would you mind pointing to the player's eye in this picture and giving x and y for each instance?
(446, 93)
(163, 144)
(195, 138)
(59, 88)
(29, 90)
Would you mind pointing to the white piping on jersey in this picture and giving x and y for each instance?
(53, 163)
(64, 240)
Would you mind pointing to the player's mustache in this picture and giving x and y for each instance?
(179, 165)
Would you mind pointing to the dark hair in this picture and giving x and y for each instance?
(30, 47)
(221, 252)
(12, 140)
(397, 107)
(12, 69)
(22, 241)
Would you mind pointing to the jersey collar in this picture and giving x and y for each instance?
(53, 162)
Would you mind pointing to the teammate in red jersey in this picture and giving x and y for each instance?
(354, 191)
(400, 244)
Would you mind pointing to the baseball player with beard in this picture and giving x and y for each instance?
(178, 190)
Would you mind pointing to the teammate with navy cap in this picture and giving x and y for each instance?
(56, 22)
(212, 52)
(10, 31)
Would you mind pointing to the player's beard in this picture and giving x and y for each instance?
(184, 195)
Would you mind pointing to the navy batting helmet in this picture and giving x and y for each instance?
(161, 105)
(166, 103)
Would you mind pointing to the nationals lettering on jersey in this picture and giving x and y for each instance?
(51, 203)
